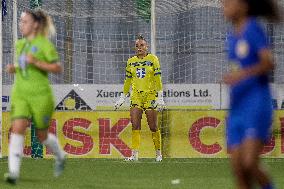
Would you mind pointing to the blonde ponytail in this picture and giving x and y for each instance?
(46, 26)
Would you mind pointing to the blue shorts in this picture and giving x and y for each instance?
(252, 119)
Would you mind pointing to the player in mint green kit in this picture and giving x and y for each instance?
(32, 97)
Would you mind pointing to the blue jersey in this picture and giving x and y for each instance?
(250, 114)
(244, 51)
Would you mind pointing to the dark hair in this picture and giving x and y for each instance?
(140, 37)
(264, 8)
(46, 26)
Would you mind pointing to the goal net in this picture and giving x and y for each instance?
(95, 38)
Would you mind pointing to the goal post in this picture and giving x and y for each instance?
(1, 63)
(153, 27)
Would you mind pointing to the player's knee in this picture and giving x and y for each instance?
(19, 126)
(18, 130)
(249, 165)
(153, 128)
(136, 126)
(41, 137)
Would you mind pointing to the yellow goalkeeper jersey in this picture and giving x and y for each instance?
(143, 74)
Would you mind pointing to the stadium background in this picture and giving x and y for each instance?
(95, 39)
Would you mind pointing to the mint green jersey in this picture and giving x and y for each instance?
(29, 79)
(32, 97)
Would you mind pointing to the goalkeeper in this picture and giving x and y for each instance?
(32, 97)
(143, 74)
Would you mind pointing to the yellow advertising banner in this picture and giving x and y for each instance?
(107, 134)
(198, 134)
(6, 125)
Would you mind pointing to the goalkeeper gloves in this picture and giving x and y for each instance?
(120, 101)
(160, 102)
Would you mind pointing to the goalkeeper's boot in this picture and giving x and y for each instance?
(59, 166)
(9, 178)
(133, 157)
(159, 156)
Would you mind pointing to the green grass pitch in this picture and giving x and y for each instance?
(145, 174)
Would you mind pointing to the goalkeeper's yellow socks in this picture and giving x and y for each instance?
(135, 146)
(156, 136)
(136, 137)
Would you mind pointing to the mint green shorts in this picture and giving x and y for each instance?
(38, 108)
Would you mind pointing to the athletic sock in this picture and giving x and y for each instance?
(52, 143)
(16, 147)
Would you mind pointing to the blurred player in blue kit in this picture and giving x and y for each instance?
(250, 115)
